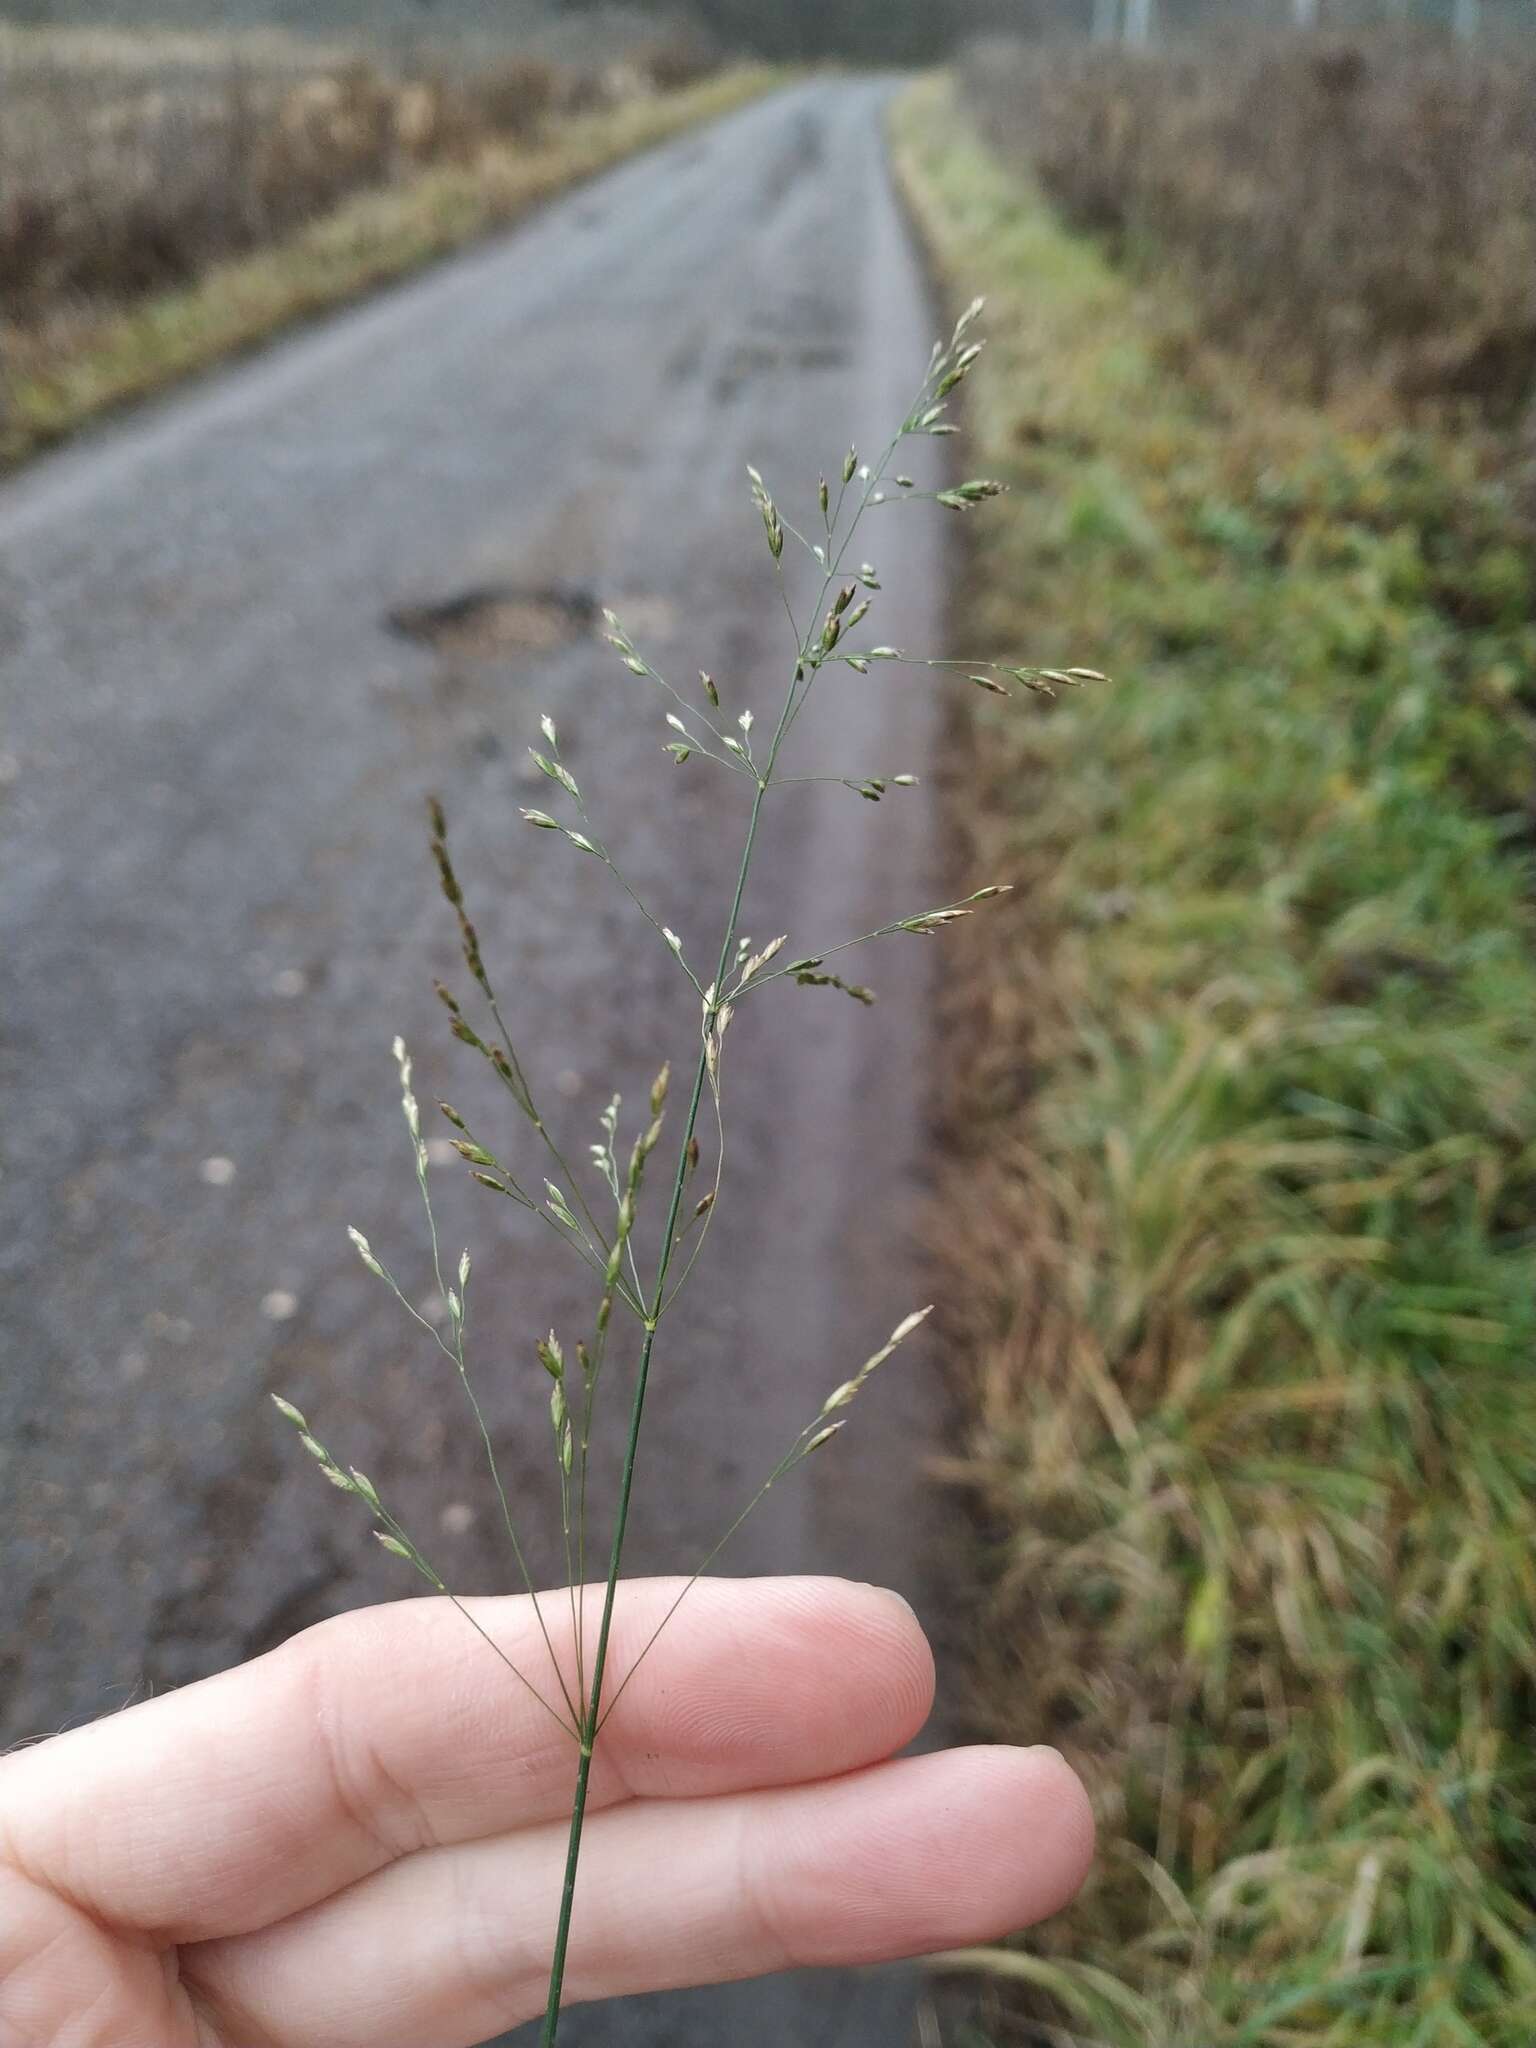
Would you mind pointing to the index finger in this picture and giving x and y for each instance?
(222, 1808)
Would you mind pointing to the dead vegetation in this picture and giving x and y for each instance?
(193, 196)
(1355, 210)
(124, 171)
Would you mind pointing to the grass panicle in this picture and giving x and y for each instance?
(633, 1295)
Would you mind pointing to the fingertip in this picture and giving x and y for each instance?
(867, 1641)
(900, 1642)
(927, 1853)
(769, 1681)
(1034, 1837)
(1057, 1791)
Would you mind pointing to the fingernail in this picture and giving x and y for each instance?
(1044, 1749)
(909, 1612)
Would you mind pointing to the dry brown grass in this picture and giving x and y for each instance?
(124, 172)
(67, 355)
(1354, 209)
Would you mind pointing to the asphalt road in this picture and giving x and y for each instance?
(216, 910)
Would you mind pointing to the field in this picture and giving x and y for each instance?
(165, 198)
(1358, 212)
(1241, 1223)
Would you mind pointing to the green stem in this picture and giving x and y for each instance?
(626, 1483)
(567, 1896)
(805, 669)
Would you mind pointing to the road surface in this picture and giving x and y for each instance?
(233, 660)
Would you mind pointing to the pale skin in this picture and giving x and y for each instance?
(357, 1841)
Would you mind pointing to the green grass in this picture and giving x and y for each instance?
(1242, 1211)
(59, 380)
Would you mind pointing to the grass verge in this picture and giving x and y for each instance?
(71, 373)
(1241, 1210)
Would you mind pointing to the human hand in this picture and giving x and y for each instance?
(357, 1841)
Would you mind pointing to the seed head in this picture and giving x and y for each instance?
(908, 1324)
(365, 1251)
(556, 772)
(760, 960)
(364, 1485)
(963, 496)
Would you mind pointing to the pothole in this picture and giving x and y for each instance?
(498, 619)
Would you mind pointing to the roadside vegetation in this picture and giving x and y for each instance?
(1240, 1220)
(1357, 211)
(167, 200)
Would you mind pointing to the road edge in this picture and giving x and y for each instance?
(372, 241)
